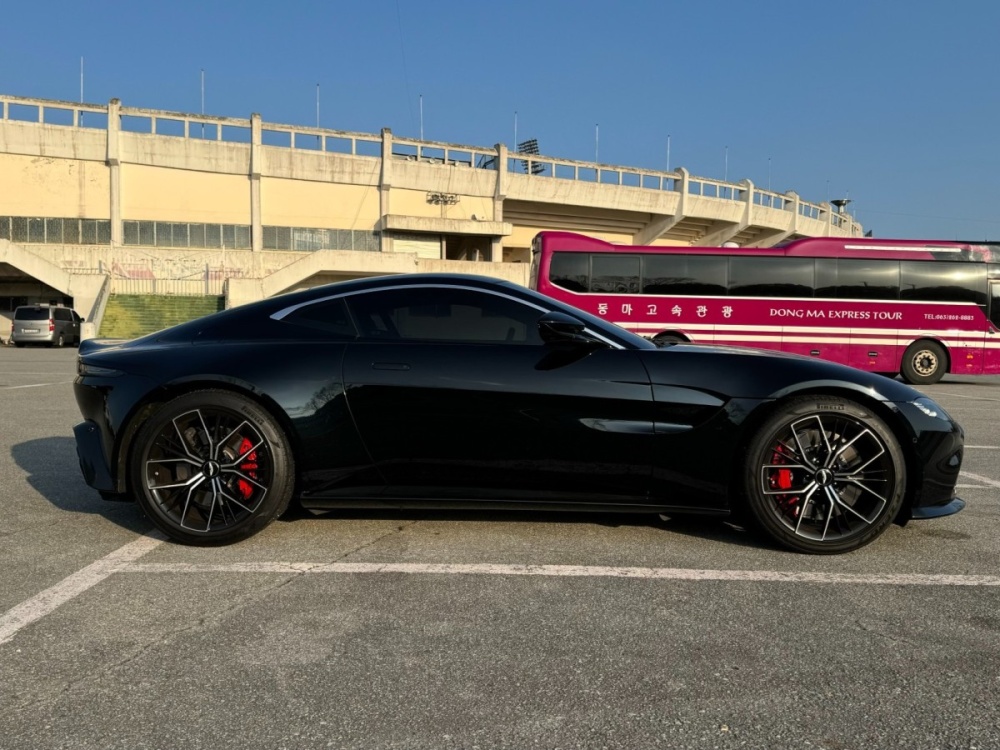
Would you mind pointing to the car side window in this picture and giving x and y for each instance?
(329, 316)
(444, 314)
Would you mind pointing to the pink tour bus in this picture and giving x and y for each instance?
(917, 308)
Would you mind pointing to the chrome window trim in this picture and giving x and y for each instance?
(286, 311)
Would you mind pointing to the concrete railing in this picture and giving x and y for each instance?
(303, 138)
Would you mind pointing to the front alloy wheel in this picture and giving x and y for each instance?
(211, 467)
(825, 475)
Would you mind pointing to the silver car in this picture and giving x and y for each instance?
(52, 325)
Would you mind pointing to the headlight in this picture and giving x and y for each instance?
(83, 369)
(931, 408)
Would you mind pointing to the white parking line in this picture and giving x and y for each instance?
(979, 478)
(45, 602)
(984, 447)
(572, 571)
(971, 398)
(32, 385)
(123, 560)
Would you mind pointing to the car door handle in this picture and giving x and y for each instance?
(390, 366)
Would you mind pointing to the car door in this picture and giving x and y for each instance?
(457, 398)
(64, 325)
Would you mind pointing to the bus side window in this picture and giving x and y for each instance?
(755, 276)
(570, 271)
(867, 279)
(618, 274)
(995, 303)
(685, 275)
(933, 281)
(826, 277)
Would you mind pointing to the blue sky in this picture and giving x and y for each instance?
(892, 104)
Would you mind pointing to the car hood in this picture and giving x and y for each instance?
(740, 372)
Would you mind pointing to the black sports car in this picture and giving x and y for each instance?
(463, 391)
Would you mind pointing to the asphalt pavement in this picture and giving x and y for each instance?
(374, 629)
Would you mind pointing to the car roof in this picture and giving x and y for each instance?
(393, 280)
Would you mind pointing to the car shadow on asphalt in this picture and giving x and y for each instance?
(712, 529)
(52, 470)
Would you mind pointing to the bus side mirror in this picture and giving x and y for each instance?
(558, 327)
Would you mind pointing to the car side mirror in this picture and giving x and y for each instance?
(557, 327)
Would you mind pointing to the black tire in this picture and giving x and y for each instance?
(211, 467)
(60, 342)
(924, 363)
(824, 475)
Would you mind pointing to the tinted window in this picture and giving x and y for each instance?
(868, 279)
(329, 316)
(62, 313)
(685, 274)
(771, 277)
(943, 282)
(826, 277)
(570, 271)
(31, 313)
(444, 314)
(995, 303)
(618, 274)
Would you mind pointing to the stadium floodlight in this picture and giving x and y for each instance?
(530, 147)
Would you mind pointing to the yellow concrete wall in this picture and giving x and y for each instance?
(405, 202)
(161, 194)
(320, 205)
(523, 235)
(43, 186)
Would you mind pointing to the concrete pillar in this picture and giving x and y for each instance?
(748, 191)
(256, 157)
(684, 187)
(384, 188)
(499, 195)
(796, 210)
(113, 161)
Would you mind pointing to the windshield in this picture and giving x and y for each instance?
(31, 313)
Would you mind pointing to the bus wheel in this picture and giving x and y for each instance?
(667, 339)
(824, 475)
(924, 363)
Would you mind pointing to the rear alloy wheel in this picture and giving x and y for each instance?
(924, 363)
(824, 475)
(211, 467)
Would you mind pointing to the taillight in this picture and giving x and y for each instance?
(52, 325)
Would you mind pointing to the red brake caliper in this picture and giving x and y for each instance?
(781, 479)
(249, 467)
